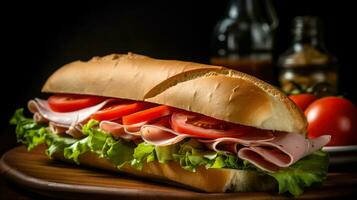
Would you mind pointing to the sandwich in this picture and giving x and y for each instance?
(199, 126)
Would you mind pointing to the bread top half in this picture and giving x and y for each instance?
(214, 91)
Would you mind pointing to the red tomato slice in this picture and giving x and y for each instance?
(206, 127)
(118, 110)
(72, 102)
(147, 115)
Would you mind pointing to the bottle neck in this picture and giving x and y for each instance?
(308, 31)
(312, 40)
(244, 8)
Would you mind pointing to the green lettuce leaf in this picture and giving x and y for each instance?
(165, 154)
(119, 152)
(76, 149)
(33, 134)
(94, 141)
(19, 117)
(192, 154)
(103, 144)
(308, 171)
(28, 131)
(57, 143)
(144, 152)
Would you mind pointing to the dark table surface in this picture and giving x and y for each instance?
(9, 190)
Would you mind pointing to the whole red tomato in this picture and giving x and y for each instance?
(333, 116)
(303, 100)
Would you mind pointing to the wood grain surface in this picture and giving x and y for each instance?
(35, 172)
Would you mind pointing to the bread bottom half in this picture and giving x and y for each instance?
(208, 180)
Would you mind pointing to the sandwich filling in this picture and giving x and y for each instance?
(134, 132)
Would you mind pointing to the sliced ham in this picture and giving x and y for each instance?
(62, 122)
(75, 131)
(224, 146)
(38, 118)
(220, 144)
(260, 162)
(157, 134)
(127, 132)
(161, 134)
(283, 151)
(66, 118)
(57, 128)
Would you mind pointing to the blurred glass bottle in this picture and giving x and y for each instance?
(307, 63)
(244, 40)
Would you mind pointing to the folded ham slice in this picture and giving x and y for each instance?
(161, 134)
(57, 128)
(38, 118)
(270, 155)
(62, 122)
(74, 131)
(220, 144)
(66, 119)
(127, 132)
(283, 151)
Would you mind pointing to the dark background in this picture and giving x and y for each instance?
(37, 38)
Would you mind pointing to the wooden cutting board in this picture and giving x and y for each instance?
(35, 172)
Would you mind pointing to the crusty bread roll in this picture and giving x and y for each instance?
(210, 90)
(214, 91)
(208, 180)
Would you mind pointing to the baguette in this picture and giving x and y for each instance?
(210, 90)
(207, 180)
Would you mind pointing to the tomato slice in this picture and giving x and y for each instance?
(72, 102)
(118, 110)
(147, 115)
(207, 127)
